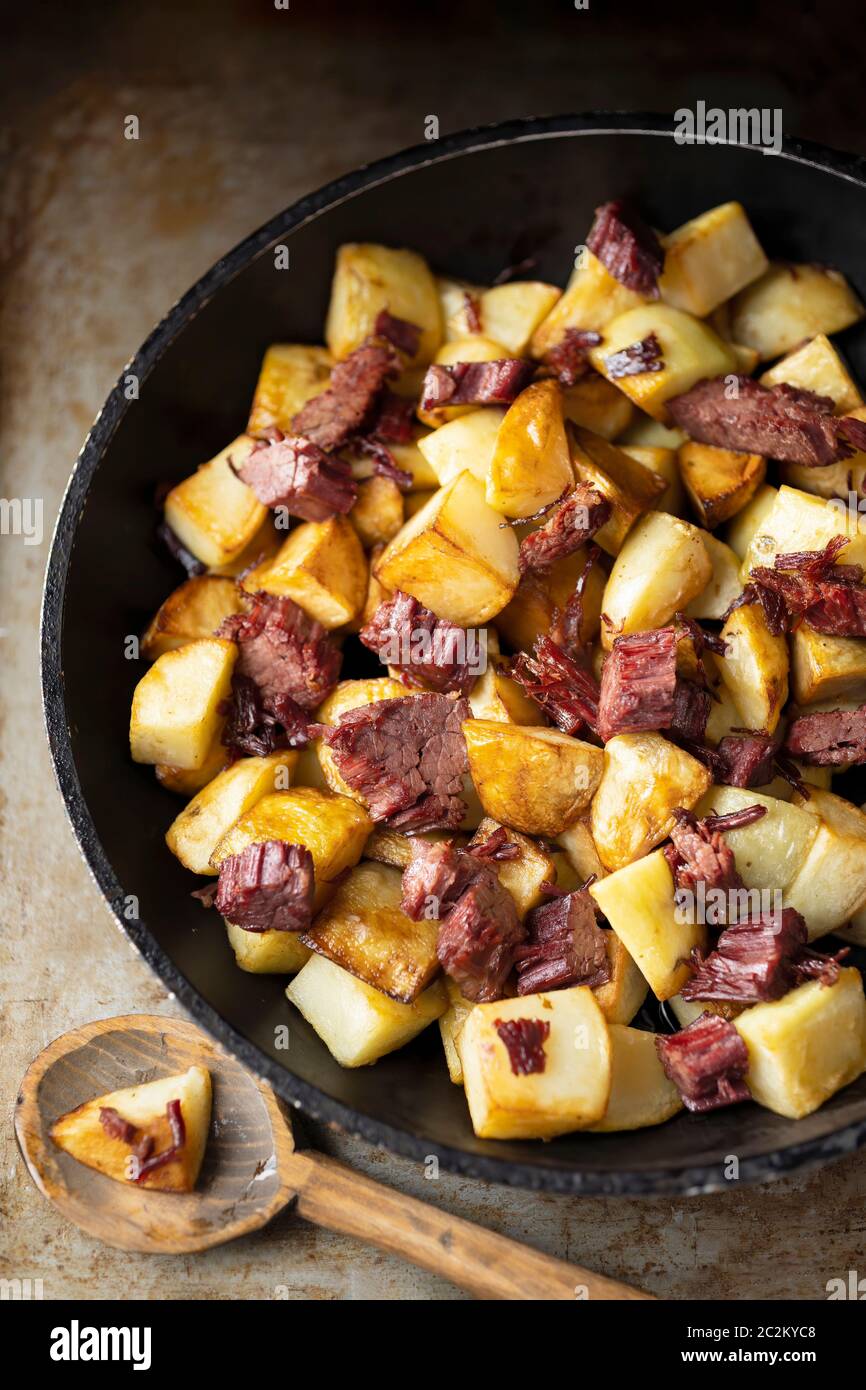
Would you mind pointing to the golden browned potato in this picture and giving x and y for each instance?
(638, 900)
(593, 404)
(629, 487)
(267, 952)
(710, 258)
(531, 466)
(740, 532)
(386, 846)
(817, 366)
(646, 433)
(719, 482)
(369, 278)
(175, 716)
(790, 303)
(187, 781)
(212, 512)
(511, 313)
(473, 349)
(645, 777)
(754, 667)
(495, 695)
(640, 1093)
(532, 779)
(805, 1047)
(664, 462)
(457, 299)
(408, 456)
(454, 555)
(195, 833)
(826, 668)
(579, 846)
(193, 610)
(357, 1023)
(291, 374)
(255, 555)
(378, 513)
(724, 584)
(835, 480)
(592, 298)
(623, 994)
(799, 521)
(523, 875)
(690, 351)
(82, 1134)
(771, 851)
(451, 1026)
(321, 565)
(465, 443)
(662, 566)
(540, 594)
(572, 1090)
(830, 887)
(365, 930)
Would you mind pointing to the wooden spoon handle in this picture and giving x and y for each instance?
(487, 1265)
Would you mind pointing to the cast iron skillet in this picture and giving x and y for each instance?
(472, 203)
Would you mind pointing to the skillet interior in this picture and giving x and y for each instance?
(488, 200)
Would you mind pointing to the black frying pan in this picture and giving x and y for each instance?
(471, 203)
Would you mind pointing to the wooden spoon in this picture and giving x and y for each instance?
(251, 1171)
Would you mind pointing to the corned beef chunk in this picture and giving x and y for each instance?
(564, 691)
(384, 463)
(692, 704)
(472, 310)
(836, 737)
(332, 417)
(393, 420)
(476, 383)
(810, 585)
(435, 878)
(524, 1040)
(780, 422)
(400, 332)
(256, 729)
(407, 758)
(267, 887)
(284, 651)
(752, 961)
(627, 247)
(570, 525)
(566, 946)
(745, 760)
(429, 650)
(293, 472)
(698, 854)
(568, 360)
(638, 683)
(636, 359)
(497, 846)
(707, 1062)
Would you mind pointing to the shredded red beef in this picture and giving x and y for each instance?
(772, 605)
(399, 332)
(178, 551)
(746, 760)
(145, 1161)
(384, 463)
(476, 383)
(566, 946)
(752, 961)
(435, 878)
(638, 683)
(497, 846)
(707, 1062)
(115, 1126)
(524, 1040)
(568, 361)
(293, 472)
(836, 737)
(566, 692)
(331, 418)
(472, 309)
(814, 965)
(254, 729)
(627, 247)
(431, 651)
(407, 758)
(781, 422)
(267, 887)
(809, 585)
(698, 853)
(284, 651)
(566, 624)
(393, 420)
(570, 525)
(692, 705)
(636, 359)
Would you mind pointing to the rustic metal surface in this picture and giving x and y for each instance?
(98, 235)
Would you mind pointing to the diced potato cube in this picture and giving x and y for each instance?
(624, 993)
(740, 532)
(378, 513)
(710, 258)
(645, 777)
(175, 716)
(719, 482)
(473, 349)
(755, 667)
(533, 779)
(646, 433)
(661, 567)
(387, 846)
(592, 298)
(194, 834)
(451, 1026)
(357, 1023)
(254, 557)
(817, 366)
(806, 1046)
(724, 715)
(195, 609)
(724, 585)
(511, 313)
(790, 303)
(369, 278)
(188, 781)
(454, 555)
(291, 374)
(837, 480)
(531, 465)
(799, 521)
(407, 456)
(465, 443)
(826, 668)
(638, 901)
(365, 930)
(690, 351)
(540, 594)
(831, 885)
(771, 851)
(212, 512)
(333, 828)
(593, 404)
(495, 695)
(308, 769)
(321, 566)
(267, 952)
(664, 462)
(640, 1093)
(580, 847)
(629, 487)
(523, 875)
(454, 301)
(572, 1090)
